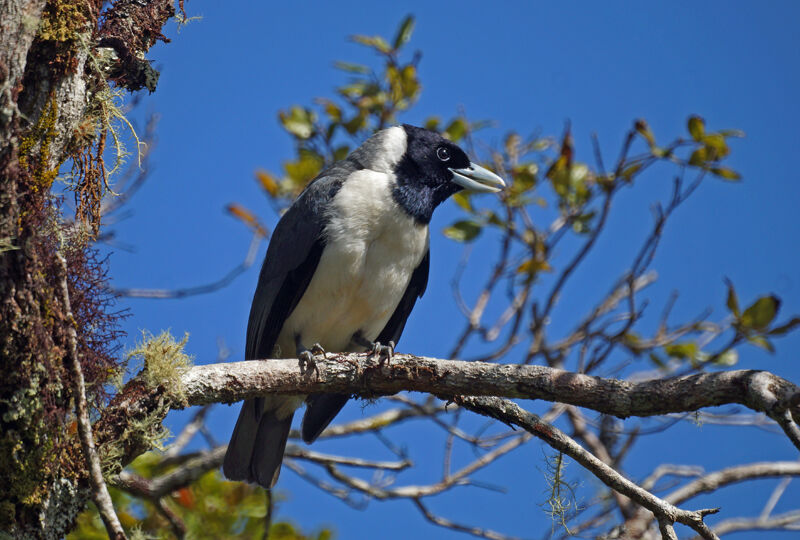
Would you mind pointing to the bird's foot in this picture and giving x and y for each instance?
(305, 358)
(384, 352)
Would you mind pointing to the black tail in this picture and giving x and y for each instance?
(257, 445)
(320, 410)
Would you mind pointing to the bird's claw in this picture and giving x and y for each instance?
(305, 359)
(384, 352)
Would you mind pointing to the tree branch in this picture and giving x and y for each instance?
(667, 514)
(360, 374)
(714, 481)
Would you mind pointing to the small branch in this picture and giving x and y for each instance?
(326, 459)
(446, 523)
(187, 433)
(224, 281)
(774, 497)
(790, 521)
(508, 412)
(714, 481)
(100, 494)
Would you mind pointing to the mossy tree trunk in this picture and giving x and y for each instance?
(58, 59)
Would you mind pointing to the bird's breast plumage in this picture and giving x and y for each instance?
(371, 250)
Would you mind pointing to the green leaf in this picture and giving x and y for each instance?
(761, 341)
(299, 122)
(784, 328)
(524, 176)
(716, 146)
(351, 68)
(534, 266)
(727, 358)
(374, 42)
(456, 130)
(731, 133)
(657, 360)
(305, 168)
(463, 231)
(629, 171)
(697, 127)
(341, 152)
(644, 130)
(404, 32)
(684, 351)
(726, 173)
(582, 223)
(761, 312)
(733, 300)
(462, 199)
(432, 123)
(699, 157)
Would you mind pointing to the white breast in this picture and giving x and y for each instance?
(372, 248)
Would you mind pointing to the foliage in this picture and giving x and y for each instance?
(203, 510)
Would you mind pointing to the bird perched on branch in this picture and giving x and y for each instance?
(344, 268)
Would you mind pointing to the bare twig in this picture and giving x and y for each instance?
(507, 411)
(225, 280)
(713, 481)
(789, 521)
(446, 523)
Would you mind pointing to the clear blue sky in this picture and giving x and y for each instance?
(528, 66)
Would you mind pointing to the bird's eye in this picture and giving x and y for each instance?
(443, 153)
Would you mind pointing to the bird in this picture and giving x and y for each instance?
(345, 265)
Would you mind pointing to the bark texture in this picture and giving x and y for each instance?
(55, 105)
(364, 376)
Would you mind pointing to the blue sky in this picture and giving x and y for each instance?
(529, 67)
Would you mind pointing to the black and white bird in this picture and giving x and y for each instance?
(343, 270)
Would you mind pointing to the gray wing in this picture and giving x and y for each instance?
(292, 257)
(257, 444)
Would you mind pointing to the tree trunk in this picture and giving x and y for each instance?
(55, 64)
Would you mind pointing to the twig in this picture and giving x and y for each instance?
(713, 481)
(507, 411)
(446, 523)
(225, 280)
(789, 521)
(100, 494)
(325, 459)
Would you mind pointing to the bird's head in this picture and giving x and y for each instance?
(427, 169)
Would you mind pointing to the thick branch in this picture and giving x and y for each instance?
(360, 374)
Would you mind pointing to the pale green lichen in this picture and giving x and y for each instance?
(165, 362)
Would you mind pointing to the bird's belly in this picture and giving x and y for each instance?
(356, 287)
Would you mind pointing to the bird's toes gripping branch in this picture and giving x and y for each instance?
(305, 358)
(384, 352)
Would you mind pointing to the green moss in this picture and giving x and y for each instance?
(62, 20)
(40, 137)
